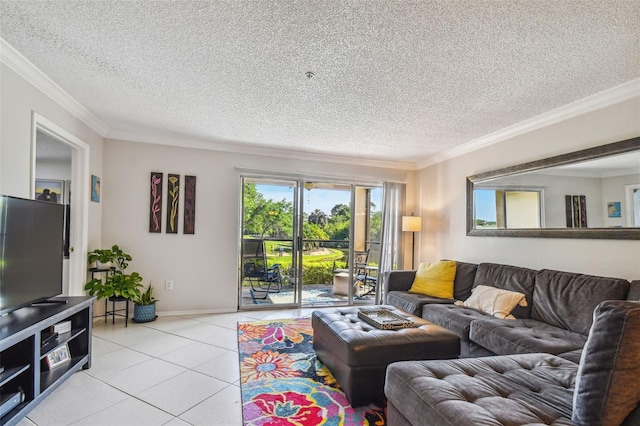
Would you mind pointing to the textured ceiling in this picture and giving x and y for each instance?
(393, 80)
(51, 149)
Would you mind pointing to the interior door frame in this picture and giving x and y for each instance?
(80, 154)
(630, 210)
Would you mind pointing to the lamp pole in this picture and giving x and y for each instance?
(413, 250)
(412, 224)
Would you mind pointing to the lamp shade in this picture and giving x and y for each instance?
(411, 223)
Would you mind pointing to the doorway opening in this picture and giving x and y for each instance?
(633, 205)
(60, 163)
(503, 208)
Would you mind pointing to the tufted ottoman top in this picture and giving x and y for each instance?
(357, 343)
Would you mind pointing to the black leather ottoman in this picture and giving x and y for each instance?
(358, 354)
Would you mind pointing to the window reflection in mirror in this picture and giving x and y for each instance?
(508, 208)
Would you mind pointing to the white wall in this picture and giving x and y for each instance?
(203, 266)
(19, 99)
(442, 190)
(58, 170)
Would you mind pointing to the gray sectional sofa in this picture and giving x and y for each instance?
(540, 350)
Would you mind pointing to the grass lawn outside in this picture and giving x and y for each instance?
(317, 265)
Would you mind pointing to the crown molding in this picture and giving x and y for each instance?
(252, 149)
(614, 95)
(27, 70)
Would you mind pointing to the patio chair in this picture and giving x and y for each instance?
(360, 259)
(362, 272)
(362, 275)
(262, 278)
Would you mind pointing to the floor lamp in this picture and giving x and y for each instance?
(412, 224)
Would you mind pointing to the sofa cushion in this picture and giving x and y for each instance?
(454, 318)
(397, 280)
(573, 356)
(634, 291)
(494, 301)
(607, 386)
(412, 303)
(465, 275)
(503, 390)
(505, 337)
(435, 279)
(511, 278)
(469, 349)
(567, 300)
(397, 283)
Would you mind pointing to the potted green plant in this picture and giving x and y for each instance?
(144, 309)
(116, 285)
(108, 258)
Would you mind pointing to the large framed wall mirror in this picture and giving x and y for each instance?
(593, 193)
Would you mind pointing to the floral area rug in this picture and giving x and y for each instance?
(283, 383)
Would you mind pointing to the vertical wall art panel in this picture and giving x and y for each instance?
(173, 197)
(95, 188)
(568, 210)
(583, 211)
(189, 225)
(155, 203)
(576, 211)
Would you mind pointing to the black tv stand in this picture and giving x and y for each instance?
(24, 358)
(50, 301)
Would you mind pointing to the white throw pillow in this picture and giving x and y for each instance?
(494, 301)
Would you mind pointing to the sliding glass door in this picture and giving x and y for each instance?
(326, 233)
(367, 226)
(308, 243)
(268, 252)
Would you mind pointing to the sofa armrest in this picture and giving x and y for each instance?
(398, 280)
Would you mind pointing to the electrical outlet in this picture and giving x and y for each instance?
(168, 285)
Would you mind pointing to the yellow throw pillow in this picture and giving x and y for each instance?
(435, 279)
(494, 301)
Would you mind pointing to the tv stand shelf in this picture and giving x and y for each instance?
(24, 359)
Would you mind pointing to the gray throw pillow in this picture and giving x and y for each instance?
(607, 386)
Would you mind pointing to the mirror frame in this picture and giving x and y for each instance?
(614, 148)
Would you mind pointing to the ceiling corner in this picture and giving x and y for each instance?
(25, 69)
(612, 96)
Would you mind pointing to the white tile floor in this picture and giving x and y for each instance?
(175, 371)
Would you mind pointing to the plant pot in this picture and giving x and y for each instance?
(102, 266)
(144, 313)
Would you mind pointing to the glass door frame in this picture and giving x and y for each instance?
(294, 242)
(297, 241)
(302, 241)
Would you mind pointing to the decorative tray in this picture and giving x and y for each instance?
(385, 319)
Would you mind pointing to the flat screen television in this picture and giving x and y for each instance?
(31, 251)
